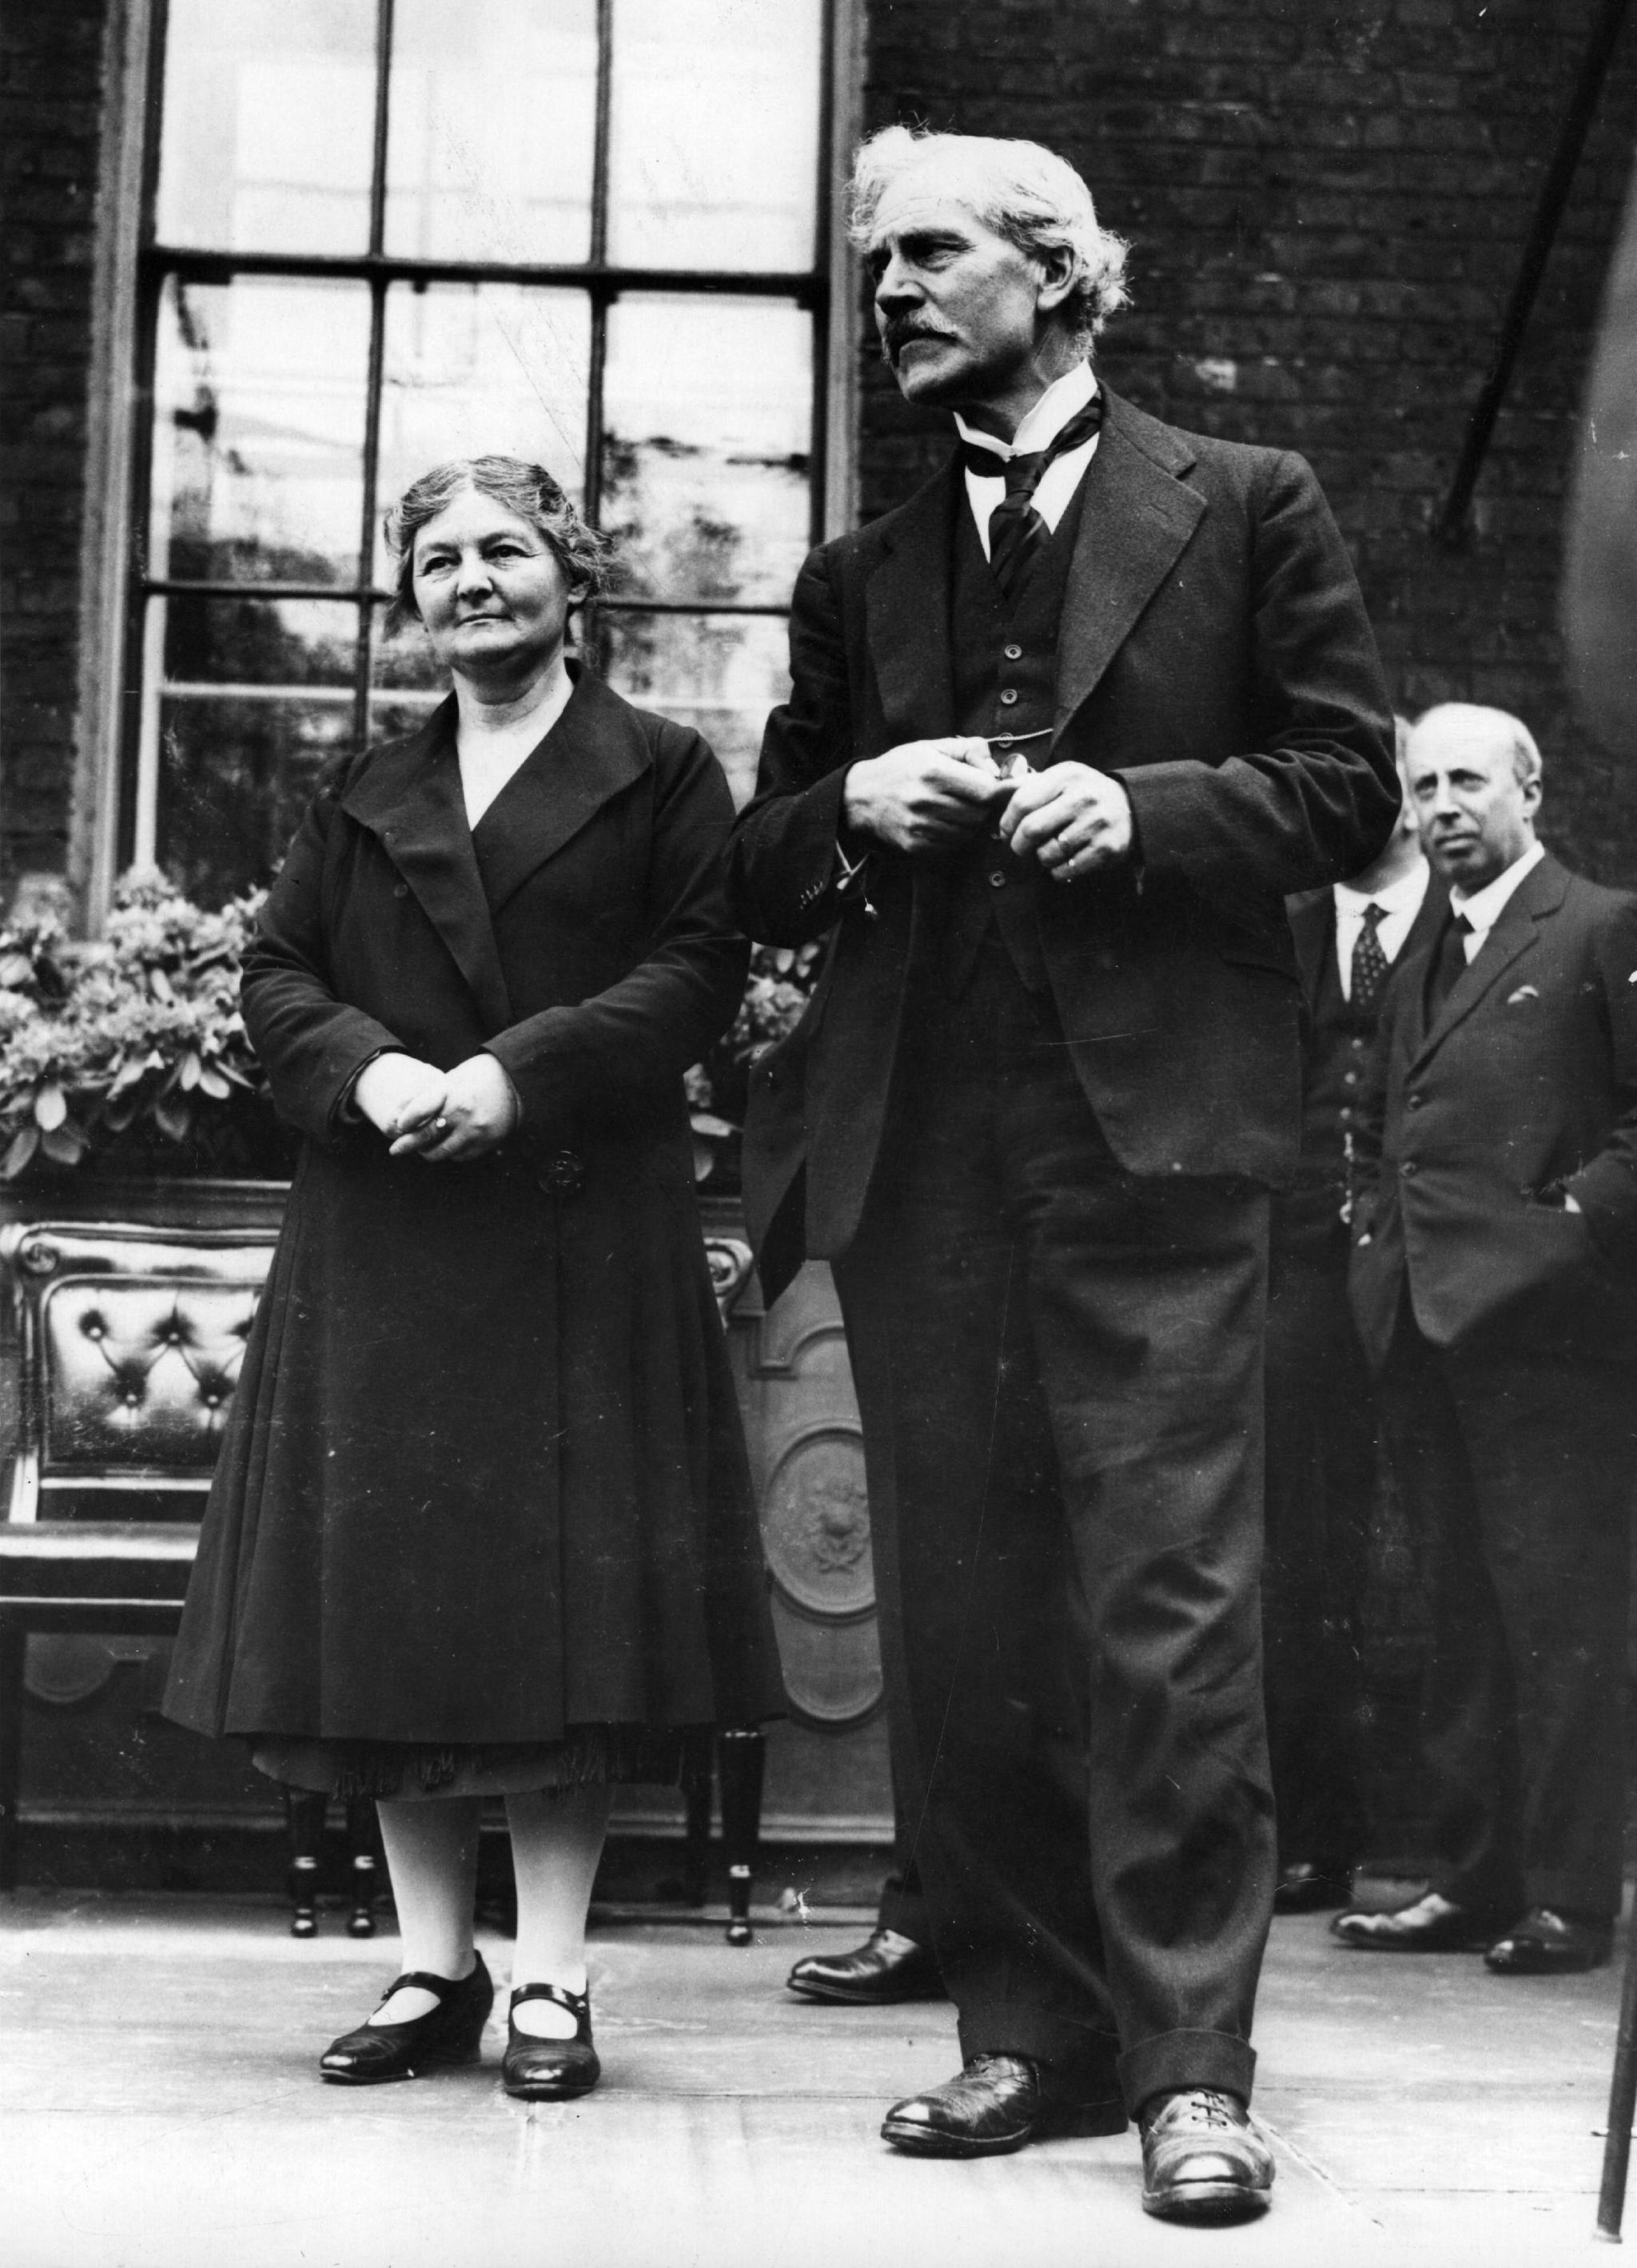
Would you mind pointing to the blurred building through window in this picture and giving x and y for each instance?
(384, 233)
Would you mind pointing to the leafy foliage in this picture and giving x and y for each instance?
(134, 1041)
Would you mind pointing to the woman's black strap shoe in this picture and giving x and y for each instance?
(449, 2034)
(547, 2071)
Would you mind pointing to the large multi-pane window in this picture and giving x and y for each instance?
(385, 232)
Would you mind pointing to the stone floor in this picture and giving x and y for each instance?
(159, 2108)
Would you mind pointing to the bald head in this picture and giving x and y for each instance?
(1474, 774)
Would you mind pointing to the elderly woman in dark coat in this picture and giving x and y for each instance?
(481, 1523)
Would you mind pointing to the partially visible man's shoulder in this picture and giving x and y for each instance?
(1240, 465)
(1599, 904)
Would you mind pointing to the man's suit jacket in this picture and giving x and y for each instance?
(1524, 1086)
(1213, 652)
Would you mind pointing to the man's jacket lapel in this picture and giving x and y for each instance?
(1537, 897)
(907, 612)
(409, 798)
(1136, 521)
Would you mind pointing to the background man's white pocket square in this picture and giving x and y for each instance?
(1523, 992)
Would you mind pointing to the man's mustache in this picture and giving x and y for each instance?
(897, 335)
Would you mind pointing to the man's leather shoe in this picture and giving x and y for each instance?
(886, 1967)
(998, 2104)
(1203, 2158)
(1548, 1944)
(1304, 1888)
(1431, 1924)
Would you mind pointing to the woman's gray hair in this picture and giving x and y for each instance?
(1024, 192)
(528, 490)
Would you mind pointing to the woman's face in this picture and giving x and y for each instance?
(491, 590)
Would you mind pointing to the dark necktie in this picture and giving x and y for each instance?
(1017, 530)
(1451, 959)
(1370, 964)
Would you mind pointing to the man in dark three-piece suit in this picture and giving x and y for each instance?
(1322, 1420)
(1064, 731)
(1492, 1281)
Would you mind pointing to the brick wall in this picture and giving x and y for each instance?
(1326, 209)
(51, 83)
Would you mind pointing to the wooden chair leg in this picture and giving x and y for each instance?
(1622, 2103)
(361, 1851)
(305, 1813)
(12, 1642)
(742, 1757)
(696, 1793)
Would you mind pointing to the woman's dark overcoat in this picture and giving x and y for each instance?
(483, 1476)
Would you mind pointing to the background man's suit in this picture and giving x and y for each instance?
(1322, 1426)
(1031, 1125)
(1502, 1326)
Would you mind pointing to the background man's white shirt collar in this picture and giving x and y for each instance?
(1400, 903)
(1062, 399)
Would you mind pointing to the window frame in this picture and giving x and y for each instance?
(111, 826)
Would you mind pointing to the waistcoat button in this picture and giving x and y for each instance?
(1013, 652)
(1008, 694)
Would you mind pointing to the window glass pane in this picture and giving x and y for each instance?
(714, 133)
(258, 445)
(492, 125)
(269, 111)
(235, 777)
(263, 641)
(707, 409)
(720, 673)
(481, 369)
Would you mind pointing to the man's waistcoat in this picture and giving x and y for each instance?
(1004, 681)
(1339, 1036)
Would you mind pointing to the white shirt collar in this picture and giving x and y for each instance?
(1483, 910)
(1062, 399)
(1403, 896)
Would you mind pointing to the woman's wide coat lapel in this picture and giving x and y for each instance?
(410, 798)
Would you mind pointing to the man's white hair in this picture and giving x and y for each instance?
(1024, 192)
(1474, 716)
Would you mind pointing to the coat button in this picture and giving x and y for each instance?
(997, 882)
(1407, 1172)
(400, 889)
(1412, 1101)
(1013, 652)
(1009, 695)
(565, 1173)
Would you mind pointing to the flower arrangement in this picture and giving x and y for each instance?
(133, 1043)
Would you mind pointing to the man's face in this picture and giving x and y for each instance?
(1477, 817)
(959, 307)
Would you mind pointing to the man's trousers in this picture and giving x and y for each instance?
(1515, 1465)
(1059, 1370)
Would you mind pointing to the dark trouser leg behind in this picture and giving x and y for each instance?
(1320, 1498)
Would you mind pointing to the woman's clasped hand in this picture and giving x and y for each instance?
(441, 1115)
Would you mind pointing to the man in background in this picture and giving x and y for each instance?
(1492, 1286)
(1321, 1424)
